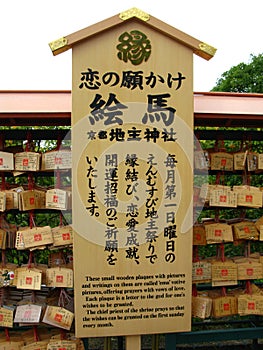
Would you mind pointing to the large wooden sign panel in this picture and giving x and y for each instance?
(132, 182)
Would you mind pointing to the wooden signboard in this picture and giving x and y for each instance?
(132, 151)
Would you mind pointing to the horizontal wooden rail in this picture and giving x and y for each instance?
(35, 134)
(215, 335)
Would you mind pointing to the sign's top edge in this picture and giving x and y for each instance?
(134, 12)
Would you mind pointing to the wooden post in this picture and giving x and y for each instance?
(133, 342)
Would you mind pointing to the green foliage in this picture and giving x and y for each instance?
(230, 250)
(245, 77)
(17, 257)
